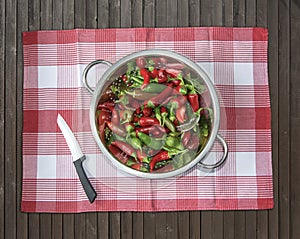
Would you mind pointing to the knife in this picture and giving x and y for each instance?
(78, 157)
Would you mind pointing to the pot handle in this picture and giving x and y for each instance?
(86, 70)
(221, 161)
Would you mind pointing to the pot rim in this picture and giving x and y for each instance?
(214, 100)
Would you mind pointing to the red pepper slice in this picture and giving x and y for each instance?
(116, 129)
(125, 147)
(161, 156)
(180, 114)
(145, 74)
(146, 121)
(194, 101)
(104, 115)
(119, 154)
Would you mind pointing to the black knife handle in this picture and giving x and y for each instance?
(87, 186)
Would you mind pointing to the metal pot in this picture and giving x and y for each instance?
(115, 70)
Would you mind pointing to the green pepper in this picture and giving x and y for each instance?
(154, 88)
(150, 142)
(170, 125)
(134, 142)
(158, 114)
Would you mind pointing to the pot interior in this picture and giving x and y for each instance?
(138, 105)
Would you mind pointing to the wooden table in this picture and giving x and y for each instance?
(281, 17)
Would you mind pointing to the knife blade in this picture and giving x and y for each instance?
(78, 157)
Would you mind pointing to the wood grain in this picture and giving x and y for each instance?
(282, 19)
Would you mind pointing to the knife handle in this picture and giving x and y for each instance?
(87, 186)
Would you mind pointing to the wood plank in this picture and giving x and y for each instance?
(80, 14)
(57, 12)
(126, 225)
(57, 226)
(103, 225)
(160, 225)
(194, 13)
(262, 226)
(217, 224)
(22, 23)
(239, 13)
(91, 14)
(171, 13)
(149, 13)
(183, 13)
(136, 13)
(10, 125)
(2, 117)
(114, 13)
(206, 224)
(273, 218)
(91, 224)
(33, 24)
(45, 225)
(125, 11)
(239, 225)
(137, 225)
(211, 13)
(295, 119)
(227, 13)
(183, 224)
(172, 226)
(114, 225)
(161, 14)
(46, 15)
(250, 13)
(149, 225)
(79, 226)
(103, 13)
(195, 224)
(68, 14)
(250, 221)
(228, 225)
(284, 126)
(68, 226)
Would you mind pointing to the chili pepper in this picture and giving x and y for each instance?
(176, 82)
(151, 129)
(116, 129)
(178, 102)
(141, 155)
(161, 96)
(166, 101)
(194, 101)
(141, 62)
(158, 115)
(161, 156)
(141, 95)
(125, 147)
(135, 119)
(205, 100)
(115, 119)
(154, 88)
(129, 127)
(193, 142)
(174, 73)
(106, 105)
(162, 77)
(180, 114)
(170, 125)
(104, 115)
(145, 74)
(134, 142)
(150, 141)
(181, 89)
(147, 111)
(119, 154)
(176, 65)
(101, 129)
(145, 121)
(137, 166)
(173, 142)
(186, 137)
(154, 73)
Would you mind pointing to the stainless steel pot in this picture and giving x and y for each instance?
(115, 70)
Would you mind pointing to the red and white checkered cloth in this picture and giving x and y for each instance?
(235, 58)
